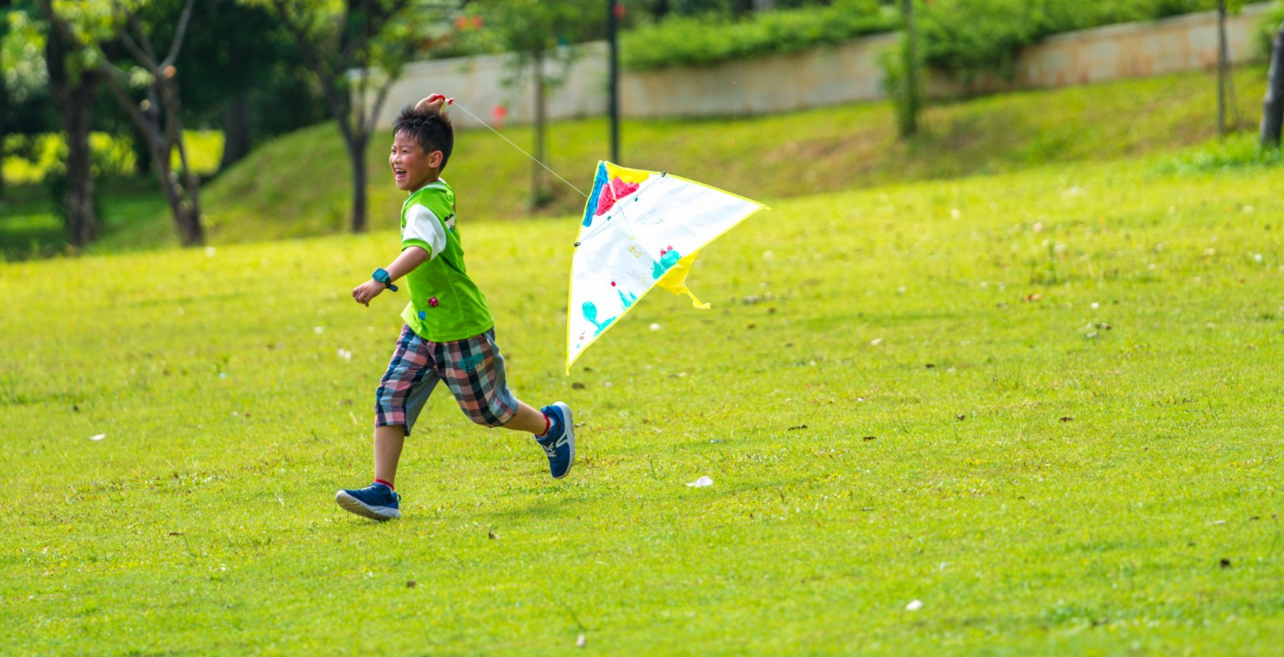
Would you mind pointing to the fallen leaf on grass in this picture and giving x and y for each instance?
(701, 482)
(1225, 563)
(410, 584)
(577, 386)
(492, 535)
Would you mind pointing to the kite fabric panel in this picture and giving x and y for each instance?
(640, 229)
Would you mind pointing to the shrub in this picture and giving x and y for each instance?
(708, 39)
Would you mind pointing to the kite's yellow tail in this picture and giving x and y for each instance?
(675, 280)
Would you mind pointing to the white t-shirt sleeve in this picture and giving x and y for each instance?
(422, 224)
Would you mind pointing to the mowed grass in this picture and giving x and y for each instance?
(1045, 405)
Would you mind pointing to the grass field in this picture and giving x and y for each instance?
(1043, 404)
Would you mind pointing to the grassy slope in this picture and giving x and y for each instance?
(1045, 404)
(300, 184)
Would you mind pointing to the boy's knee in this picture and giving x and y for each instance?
(486, 420)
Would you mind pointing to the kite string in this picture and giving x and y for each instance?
(510, 142)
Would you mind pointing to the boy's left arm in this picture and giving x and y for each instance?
(410, 258)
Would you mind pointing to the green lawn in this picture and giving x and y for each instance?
(1044, 404)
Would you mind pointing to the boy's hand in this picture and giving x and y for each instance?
(435, 102)
(368, 290)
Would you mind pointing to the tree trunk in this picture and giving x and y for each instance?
(1273, 110)
(4, 108)
(1221, 67)
(908, 119)
(357, 152)
(142, 154)
(238, 129)
(188, 212)
(537, 171)
(74, 93)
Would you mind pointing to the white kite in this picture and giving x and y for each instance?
(640, 229)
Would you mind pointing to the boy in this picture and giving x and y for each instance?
(449, 333)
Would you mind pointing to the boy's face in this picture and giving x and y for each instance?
(411, 166)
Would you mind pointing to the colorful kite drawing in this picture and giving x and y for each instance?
(641, 229)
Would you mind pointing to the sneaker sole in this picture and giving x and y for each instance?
(354, 505)
(570, 435)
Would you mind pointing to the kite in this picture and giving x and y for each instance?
(640, 229)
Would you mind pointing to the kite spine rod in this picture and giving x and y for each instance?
(510, 142)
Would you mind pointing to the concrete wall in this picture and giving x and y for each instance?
(1181, 43)
(478, 84)
(823, 76)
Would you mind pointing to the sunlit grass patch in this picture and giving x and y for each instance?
(1043, 406)
(1241, 152)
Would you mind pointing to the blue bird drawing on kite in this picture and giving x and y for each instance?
(590, 313)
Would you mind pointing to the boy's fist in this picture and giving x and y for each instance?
(366, 291)
(434, 102)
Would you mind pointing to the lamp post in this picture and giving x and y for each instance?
(614, 11)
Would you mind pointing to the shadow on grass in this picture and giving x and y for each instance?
(131, 213)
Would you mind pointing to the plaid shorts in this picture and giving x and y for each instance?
(471, 368)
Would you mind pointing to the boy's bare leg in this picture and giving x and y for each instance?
(528, 419)
(388, 441)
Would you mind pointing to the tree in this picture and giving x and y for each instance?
(248, 70)
(356, 49)
(1273, 106)
(158, 116)
(535, 32)
(73, 81)
(99, 32)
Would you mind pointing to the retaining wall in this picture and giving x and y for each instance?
(822, 76)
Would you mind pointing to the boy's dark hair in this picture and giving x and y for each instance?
(431, 128)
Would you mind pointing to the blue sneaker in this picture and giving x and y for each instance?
(374, 501)
(559, 442)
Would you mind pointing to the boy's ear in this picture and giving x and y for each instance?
(435, 158)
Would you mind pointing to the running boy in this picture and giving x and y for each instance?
(449, 333)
